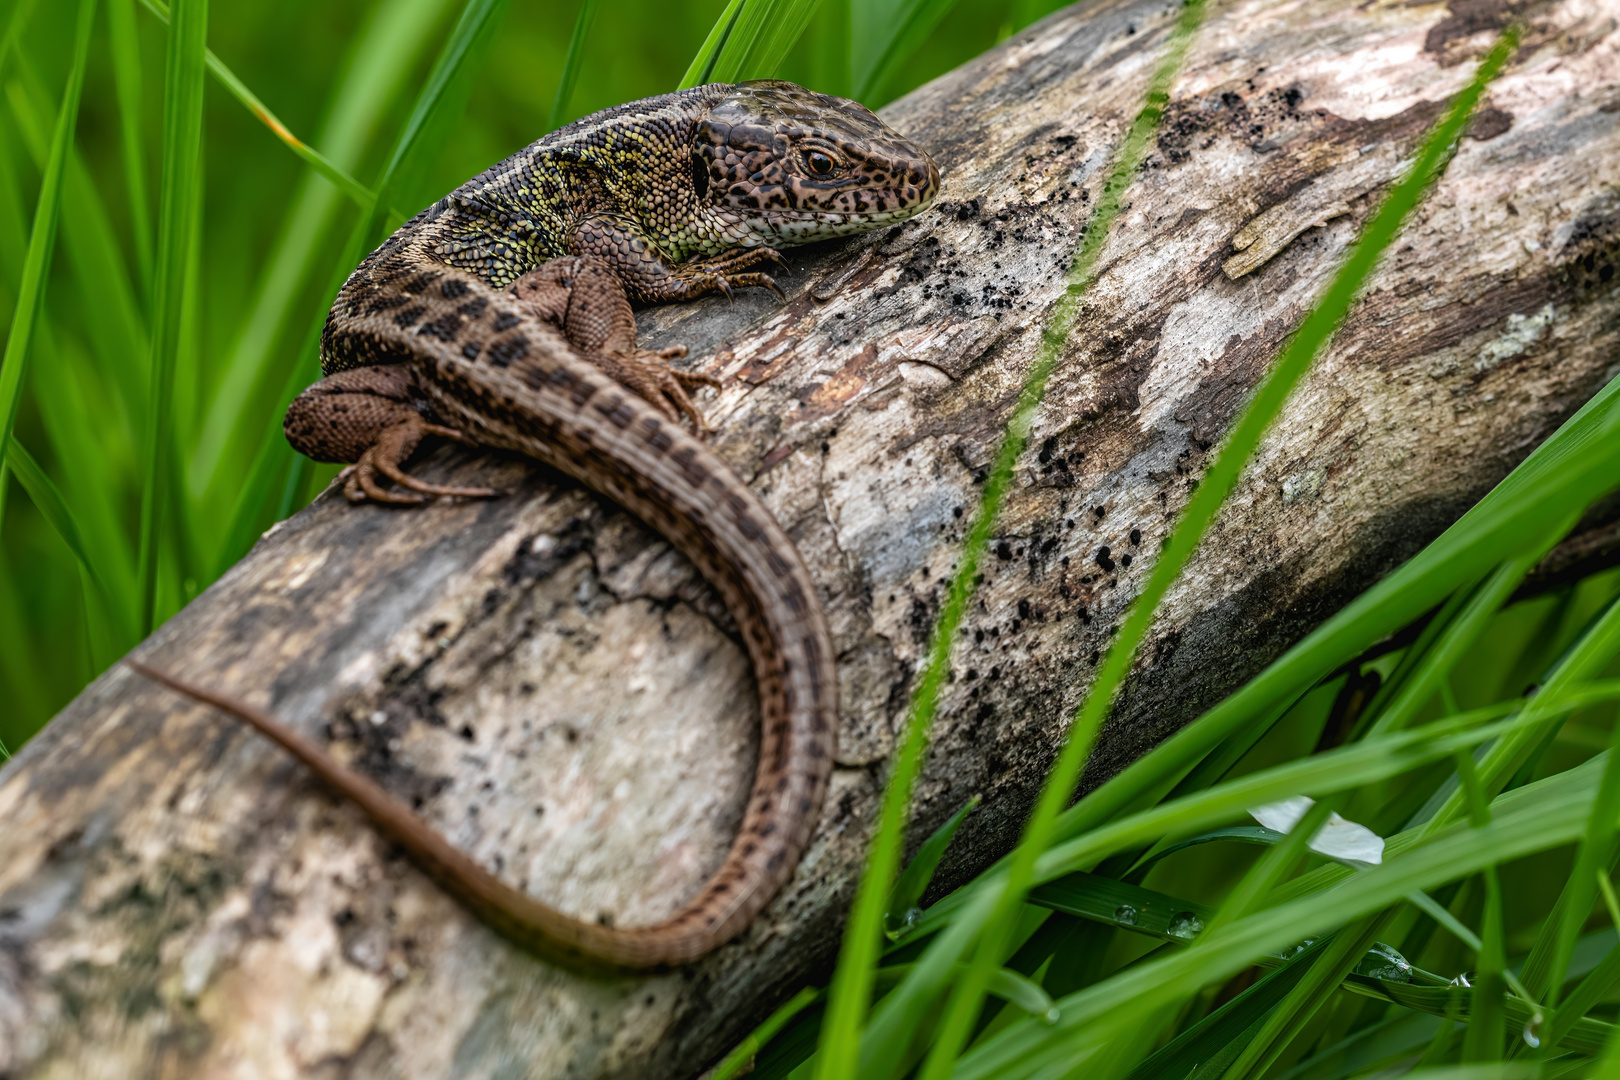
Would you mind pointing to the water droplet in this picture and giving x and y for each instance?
(1461, 981)
(1125, 915)
(1531, 1026)
(1051, 1016)
(1185, 926)
(1383, 962)
(896, 928)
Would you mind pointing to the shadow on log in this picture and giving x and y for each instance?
(554, 688)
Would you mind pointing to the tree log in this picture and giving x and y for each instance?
(560, 693)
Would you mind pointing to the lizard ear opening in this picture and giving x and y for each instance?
(700, 175)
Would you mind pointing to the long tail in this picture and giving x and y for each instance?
(505, 380)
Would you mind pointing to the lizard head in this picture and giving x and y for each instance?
(786, 165)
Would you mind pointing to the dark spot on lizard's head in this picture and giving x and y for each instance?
(794, 165)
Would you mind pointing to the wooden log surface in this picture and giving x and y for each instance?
(560, 693)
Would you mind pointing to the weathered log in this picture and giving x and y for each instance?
(556, 689)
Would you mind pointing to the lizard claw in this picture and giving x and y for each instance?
(393, 446)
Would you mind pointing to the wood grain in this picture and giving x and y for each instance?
(558, 691)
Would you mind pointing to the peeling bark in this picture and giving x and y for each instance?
(556, 689)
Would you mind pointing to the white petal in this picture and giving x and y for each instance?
(1338, 839)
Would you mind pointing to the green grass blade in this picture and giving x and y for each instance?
(1535, 818)
(841, 1045)
(1250, 893)
(384, 58)
(1220, 1035)
(1336, 961)
(89, 430)
(126, 57)
(1343, 769)
(42, 240)
(114, 323)
(51, 506)
(968, 993)
(1548, 962)
(1591, 990)
(781, 32)
(1483, 1042)
(85, 454)
(758, 36)
(178, 194)
(913, 882)
(1222, 475)
(1433, 660)
(576, 50)
(701, 69)
(440, 101)
(14, 28)
(741, 1059)
(885, 34)
(443, 98)
(363, 197)
(1592, 653)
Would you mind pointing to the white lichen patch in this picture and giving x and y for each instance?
(1522, 332)
(1302, 485)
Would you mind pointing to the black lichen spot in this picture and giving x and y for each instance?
(1103, 559)
(1136, 537)
(1004, 551)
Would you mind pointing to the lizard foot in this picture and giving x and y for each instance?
(724, 273)
(393, 446)
(645, 372)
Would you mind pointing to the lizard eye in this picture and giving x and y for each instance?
(818, 163)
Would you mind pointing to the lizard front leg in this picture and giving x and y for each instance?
(585, 298)
(367, 417)
(650, 278)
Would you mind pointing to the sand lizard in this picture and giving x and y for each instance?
(499, 317)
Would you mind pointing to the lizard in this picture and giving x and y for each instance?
(501, 317)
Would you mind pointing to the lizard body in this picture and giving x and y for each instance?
(500, 317)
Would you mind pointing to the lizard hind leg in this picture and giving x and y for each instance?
(367, 416)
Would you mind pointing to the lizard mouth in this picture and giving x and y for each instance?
(805, 226)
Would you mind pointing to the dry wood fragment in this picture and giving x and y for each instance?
(551, 685)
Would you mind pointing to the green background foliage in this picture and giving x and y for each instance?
(271, 241)
(174, 232)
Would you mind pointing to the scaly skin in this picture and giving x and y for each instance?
(499, 317)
